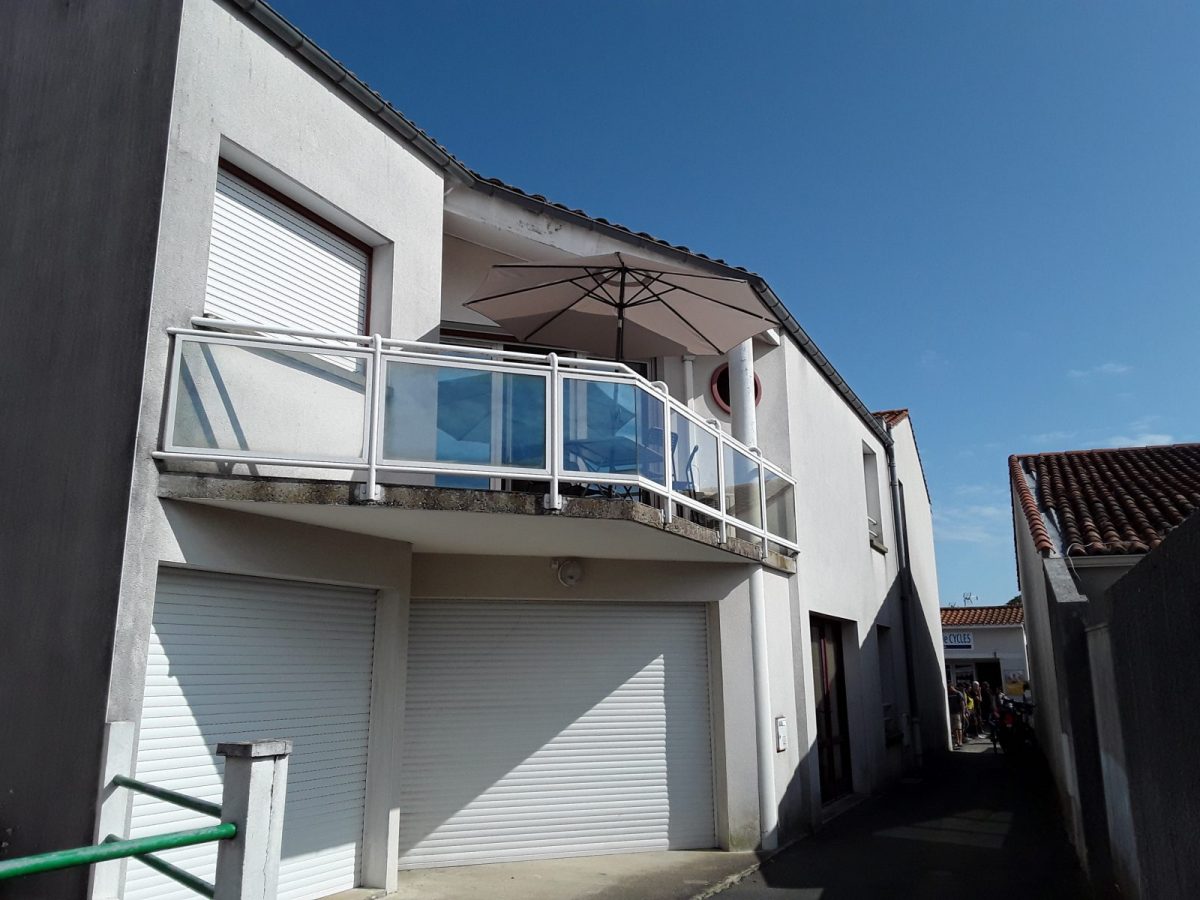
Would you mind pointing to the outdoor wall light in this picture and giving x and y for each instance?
(570, 571)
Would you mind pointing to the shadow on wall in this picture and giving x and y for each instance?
(928, 678)
(800, 807)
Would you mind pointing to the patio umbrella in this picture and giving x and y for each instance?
(621, 305)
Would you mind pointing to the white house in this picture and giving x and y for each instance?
(986, 644)
(260, 505)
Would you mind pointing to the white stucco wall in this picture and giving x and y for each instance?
(925, 615)
(1048, 715)
(238, 95)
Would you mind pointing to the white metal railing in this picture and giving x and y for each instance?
(260, 395)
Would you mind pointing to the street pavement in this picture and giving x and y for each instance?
(978, 825)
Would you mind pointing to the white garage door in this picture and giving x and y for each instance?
(268, 264)
(238, 659)
(554, 729)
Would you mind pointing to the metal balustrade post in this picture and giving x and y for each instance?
(255, 787)
(554, 431)
(668, 462)
(722, 525)
(762, 502)
(371, 492)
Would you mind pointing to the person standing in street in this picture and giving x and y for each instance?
(957, 708)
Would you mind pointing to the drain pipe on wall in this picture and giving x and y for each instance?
(689, 380)
(900, 527)
(745, 429)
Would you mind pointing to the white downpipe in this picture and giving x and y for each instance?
(689, 380)
(745, 429)
(768, 813)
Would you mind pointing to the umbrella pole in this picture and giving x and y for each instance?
(621, 320)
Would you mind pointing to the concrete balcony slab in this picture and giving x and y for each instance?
(492, 523)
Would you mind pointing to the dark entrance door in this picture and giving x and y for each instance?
(833, 736)
(989, 671)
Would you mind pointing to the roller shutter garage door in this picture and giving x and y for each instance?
(269, 264)
(538, 729)
(237, 659)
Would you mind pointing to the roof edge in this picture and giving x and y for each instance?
(387, 115)
(1044, 453)
(356, 90)
(1033, 516)
(757, 282)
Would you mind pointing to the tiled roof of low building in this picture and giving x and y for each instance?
(1107, 502)
(965, 616)
(892, 417)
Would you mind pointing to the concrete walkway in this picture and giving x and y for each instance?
(980, 826)
(676, 875)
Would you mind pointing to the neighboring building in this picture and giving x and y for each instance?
(1083, 520)
(986, 644)
(370, 536)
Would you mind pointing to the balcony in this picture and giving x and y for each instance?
(381, 413)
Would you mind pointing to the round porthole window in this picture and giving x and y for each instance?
(719, 385)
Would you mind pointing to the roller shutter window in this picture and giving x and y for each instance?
(270, 265)
(538, 729)
(238, 659)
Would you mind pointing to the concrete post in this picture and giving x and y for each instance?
(255, 787)
(113, 814)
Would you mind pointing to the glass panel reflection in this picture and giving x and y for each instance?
(741, 487)
(694, 461)
(612, 428)
(476, 417)
(781, 506)
(289, 404)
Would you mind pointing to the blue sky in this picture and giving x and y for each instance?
(986, 212)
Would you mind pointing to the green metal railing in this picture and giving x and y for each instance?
(141, 849)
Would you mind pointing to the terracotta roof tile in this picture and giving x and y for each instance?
(1106, 502)
(961, 616)
(892, 417)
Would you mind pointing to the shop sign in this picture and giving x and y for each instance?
(957, 640)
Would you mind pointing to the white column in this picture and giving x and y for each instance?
(255, 787)
(745, 429)
(741, 393)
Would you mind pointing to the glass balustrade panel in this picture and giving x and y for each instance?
(741, 487)
(612, 428)
(476, 417)
(257, 401)
(695, 457)
(781, 506)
